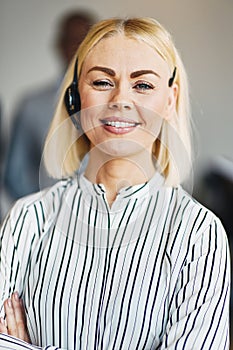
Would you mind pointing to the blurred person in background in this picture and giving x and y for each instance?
(24, 172)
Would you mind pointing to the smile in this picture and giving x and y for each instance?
(119, 127)
(119, 124)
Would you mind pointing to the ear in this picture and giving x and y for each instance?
(171, 101)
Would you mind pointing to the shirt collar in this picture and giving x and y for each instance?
(136, 191)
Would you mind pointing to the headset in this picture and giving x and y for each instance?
(72, 97)
(171, 80)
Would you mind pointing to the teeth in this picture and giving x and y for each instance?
(119, 124)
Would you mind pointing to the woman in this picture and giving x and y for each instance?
(118, 256)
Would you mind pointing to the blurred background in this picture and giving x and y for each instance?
(31, 62)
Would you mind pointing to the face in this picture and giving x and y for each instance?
(124, 95)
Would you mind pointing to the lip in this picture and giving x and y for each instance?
(119, 125)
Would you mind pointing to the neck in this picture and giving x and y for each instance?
(117, 173)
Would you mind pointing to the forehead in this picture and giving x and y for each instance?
(122, 52)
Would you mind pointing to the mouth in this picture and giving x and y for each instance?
(119, 126)
(119, 123)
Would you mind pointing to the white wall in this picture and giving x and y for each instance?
(203, 32)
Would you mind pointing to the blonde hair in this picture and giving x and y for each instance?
(63, 154)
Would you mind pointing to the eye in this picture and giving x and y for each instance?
(102, 84)
(143, 86)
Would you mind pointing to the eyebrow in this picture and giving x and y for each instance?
(143, 72)
(135, 74)
(106, 70)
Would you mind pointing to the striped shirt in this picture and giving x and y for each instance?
(150, 272)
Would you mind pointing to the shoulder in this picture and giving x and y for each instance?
(39, 95)
(189, 210)
(37, 104)
(195, 237)
(32, 219)
(192, 224)
(41, 208)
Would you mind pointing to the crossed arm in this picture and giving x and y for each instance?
(15, 323)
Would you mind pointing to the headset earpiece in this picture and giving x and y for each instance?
(72, 98)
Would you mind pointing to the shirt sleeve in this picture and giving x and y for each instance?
(17, 236)
(11, 343)
(199, 303)
(11, 243)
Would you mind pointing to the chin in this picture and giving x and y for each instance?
(121, 148)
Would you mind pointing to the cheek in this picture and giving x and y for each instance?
(87, 101)
(152, 117)
(91, 113)
(91, 99)
(153, 125)
(157, 102)
(88, 118)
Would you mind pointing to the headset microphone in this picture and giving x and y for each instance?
(171, 80)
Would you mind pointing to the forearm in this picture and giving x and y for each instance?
(8, 342)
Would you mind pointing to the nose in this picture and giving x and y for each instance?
(120, 105)
(120, 99)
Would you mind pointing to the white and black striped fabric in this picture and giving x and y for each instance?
(151, 272)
